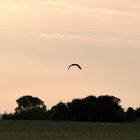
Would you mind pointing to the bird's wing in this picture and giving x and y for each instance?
(69, 67)
(75, 65)
(79, 66)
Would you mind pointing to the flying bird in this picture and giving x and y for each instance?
(77, 65)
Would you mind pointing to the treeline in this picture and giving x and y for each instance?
(96, 109)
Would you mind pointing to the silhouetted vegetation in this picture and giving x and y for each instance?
(58, 112)
(101, 109)
(29, 108)
(137, 112)
(96, 109)
(131, 114)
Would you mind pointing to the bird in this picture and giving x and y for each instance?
(77, 65)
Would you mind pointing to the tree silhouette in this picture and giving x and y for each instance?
(58, 112)
(109, 109)
(75, 110)
(90, 108)
(97, 109)
(137, 113)
(130, 113)
(103, 109)
(30, 108)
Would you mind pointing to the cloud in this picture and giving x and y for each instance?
(85, 40)
(61, 36)
(96, 40)
(67, 7)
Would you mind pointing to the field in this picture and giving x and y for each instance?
(47, 130)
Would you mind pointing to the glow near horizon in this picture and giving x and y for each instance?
(40, 38)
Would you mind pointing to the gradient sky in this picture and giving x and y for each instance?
(40, 38)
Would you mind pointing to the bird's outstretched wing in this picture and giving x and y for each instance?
(77, 65)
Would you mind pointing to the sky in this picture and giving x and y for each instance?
(39, 39)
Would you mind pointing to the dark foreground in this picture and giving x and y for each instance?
(46, 130)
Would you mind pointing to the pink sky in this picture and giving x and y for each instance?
(40, 38)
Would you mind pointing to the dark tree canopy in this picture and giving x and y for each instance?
(30, 108)
(109, 109)
(91, 108)
(137, 112)
(58, 112)
(103, 108)
(27, 103)
(131, 115)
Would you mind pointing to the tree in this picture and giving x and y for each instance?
(58, 112)
(137, 112)
(6, 116)
(109, 109)
(75, 110)
(103, 109)
(130, 113)
(30, 108)
(90, 108)
(97, 109)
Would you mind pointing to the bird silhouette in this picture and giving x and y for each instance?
(77, 65)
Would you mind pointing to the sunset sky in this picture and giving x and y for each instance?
(39, 39)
